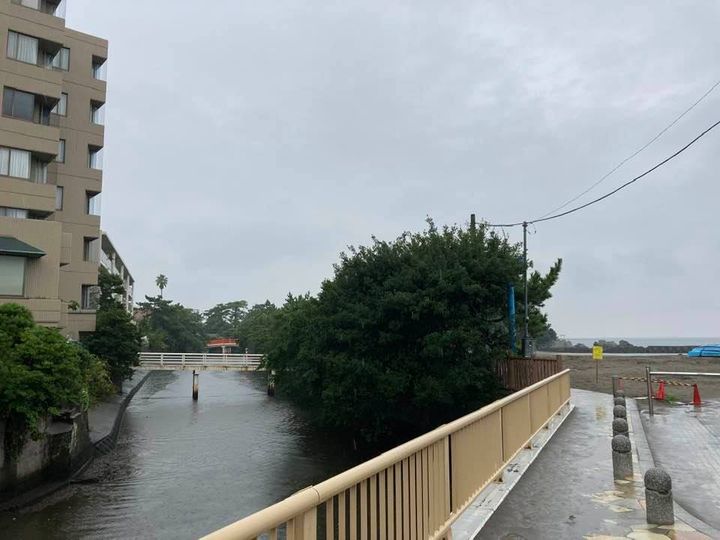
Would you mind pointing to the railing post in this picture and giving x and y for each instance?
(161, 360)
(183, 360)
(306, 529)
(649, 391)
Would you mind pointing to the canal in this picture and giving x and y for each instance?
(183, 468)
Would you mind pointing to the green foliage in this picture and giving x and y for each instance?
(223, 319)
(116, 338)
(406, 334)
(255, 330)
(41, 373)
(171, 327)
(161, 281)
(97, 376)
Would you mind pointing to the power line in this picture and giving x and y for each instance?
(623, 186)
(631, 156)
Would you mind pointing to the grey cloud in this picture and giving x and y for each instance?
(280, 132)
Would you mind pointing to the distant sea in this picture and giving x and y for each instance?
(646, 342)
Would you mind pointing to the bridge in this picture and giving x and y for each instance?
(421, 488)
(155, 361)
(196, 362)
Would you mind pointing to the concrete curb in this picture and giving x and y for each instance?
(646, 460)
(107, 443)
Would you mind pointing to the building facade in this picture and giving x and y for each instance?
(112, 262)
(51, 144)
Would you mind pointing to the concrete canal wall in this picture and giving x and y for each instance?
(64, 447)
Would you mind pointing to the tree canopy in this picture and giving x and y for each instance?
(116, 338)
(406, 334)
(42, 373)
(161, 281)
(222, 320)
(170, 326)
(255, 331)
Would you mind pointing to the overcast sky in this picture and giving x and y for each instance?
(249, 142)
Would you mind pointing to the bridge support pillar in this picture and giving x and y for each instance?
(196, 384)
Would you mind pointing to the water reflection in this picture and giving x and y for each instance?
(183, 468)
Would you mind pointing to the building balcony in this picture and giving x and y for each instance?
(35, 197)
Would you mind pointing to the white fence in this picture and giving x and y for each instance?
(200, 361)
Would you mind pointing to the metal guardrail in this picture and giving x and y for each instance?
(418, 489)
(650, 374)
(199, 360)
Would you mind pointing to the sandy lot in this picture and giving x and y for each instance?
(582, 374)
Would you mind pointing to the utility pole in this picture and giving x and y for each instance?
(526, 345)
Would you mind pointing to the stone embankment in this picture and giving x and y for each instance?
(66, 446)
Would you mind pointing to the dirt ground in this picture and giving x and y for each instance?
(582, 374)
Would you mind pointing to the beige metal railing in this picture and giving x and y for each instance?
(418, 489)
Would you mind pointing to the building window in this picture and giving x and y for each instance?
(38, 171)
(15, 163)
(17, 213)
(59, 195)
(89, 297)
(61, 151)
(98, 68)
(97, 113)
(26, 106)
(22, 48)
(61, 60)
(61, 108)
(95, 157)
(90, 249)
(51, 7)
(93, 203)
(12, 275)
(18, 104)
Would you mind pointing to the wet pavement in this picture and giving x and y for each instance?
(103, 416)
(569, 491)
(685, 441)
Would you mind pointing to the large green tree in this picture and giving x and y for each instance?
(42, 373)
(170, 326)
(222, 320)
(406, 334)
(116, 338)
(255, 330)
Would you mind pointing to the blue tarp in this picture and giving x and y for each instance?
(706, 350)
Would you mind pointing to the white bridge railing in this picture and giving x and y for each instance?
(156, 360)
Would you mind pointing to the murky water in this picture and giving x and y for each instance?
(184, 468)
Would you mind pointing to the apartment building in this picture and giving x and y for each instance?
(111, 260)
(51, 144)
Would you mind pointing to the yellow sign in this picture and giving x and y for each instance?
(597, 352)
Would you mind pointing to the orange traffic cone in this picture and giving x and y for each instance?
(660, 394)
(696, 395)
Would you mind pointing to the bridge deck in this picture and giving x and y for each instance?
(200, 362)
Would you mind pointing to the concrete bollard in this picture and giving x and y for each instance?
(620, 427)
(619, 412)
(658, 497)
(620, 401)
(621, 457)
(620, 393)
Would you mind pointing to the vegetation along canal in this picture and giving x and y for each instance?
(182, 468)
